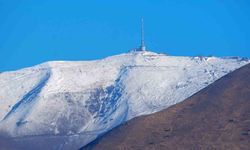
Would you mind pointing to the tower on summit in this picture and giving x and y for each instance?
(142, 47)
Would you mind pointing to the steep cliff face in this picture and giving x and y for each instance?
(217, 117)
(66, 105)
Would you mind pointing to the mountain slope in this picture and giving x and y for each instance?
(217, 117)
(66, 105)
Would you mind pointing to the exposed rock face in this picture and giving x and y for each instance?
(217, 117)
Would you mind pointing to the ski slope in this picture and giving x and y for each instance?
(66, 105)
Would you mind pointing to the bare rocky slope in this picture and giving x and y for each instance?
(217, 117)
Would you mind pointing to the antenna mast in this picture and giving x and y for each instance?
(143, 48)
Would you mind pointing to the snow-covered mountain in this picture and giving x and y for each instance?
(66, 105)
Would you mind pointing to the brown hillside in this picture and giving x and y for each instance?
(217, 117)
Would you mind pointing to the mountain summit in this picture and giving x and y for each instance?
(66, 105)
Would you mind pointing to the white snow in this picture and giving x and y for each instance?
(69, 104)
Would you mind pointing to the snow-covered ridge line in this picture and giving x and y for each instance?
(62, 63)
(71, 103)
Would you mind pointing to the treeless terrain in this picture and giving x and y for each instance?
(216, 118)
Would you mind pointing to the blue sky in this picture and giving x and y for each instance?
(34, 31)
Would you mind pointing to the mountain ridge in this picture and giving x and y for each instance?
(82, 100)
(217, 117)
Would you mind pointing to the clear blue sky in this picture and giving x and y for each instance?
(34, 31)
